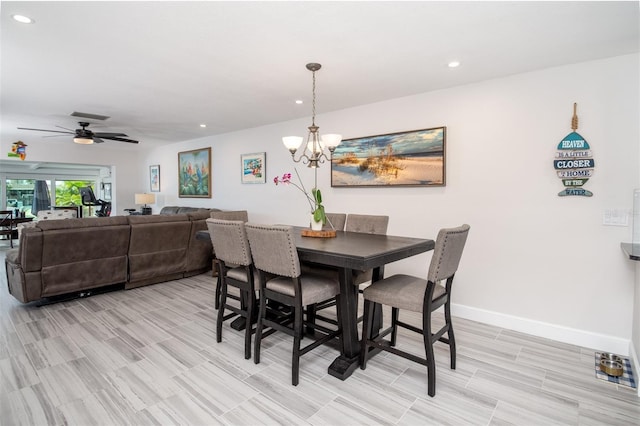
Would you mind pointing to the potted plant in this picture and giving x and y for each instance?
(315, 199)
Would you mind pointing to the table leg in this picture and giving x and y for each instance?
(347, 362)
(343, 366)
(378, 274)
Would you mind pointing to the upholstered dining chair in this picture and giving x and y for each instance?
(369, 224)
(242, 215)
(418, 295)
(274, 252)
(335, 221)
(235, 268)
(7, 226)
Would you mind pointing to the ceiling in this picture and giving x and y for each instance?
(160, 69)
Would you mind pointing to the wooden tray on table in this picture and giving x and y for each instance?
(328, 233)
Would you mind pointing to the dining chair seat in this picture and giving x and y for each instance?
(315, 287)
(418, 295)
(401, 291)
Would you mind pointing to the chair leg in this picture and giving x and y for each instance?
(394, 325)
(248, 327)
(220, 320)
(452, 338)
(218, 290)
(311, 318)
(367, 323)
(297, 336)
(428, 347)
(259, 325)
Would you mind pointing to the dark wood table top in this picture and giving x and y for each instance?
(355, 250)
(16, 220)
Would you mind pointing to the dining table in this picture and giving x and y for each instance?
(355, 251)
(11, 224)
(348, 252)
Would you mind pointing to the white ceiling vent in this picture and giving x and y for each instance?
(89, 116)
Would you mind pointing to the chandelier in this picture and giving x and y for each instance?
(312, 153)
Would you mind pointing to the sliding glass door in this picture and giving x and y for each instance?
(28, 196)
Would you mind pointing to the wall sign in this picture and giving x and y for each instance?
(574, 162)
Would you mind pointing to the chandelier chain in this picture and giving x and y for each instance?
(313, 104)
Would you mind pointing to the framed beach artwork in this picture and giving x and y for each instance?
(254, 167)
(412, 158)
(154, 178)
(194, 173)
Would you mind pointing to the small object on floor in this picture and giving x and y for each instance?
(611, 363)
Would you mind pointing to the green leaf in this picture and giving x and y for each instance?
(317, 195)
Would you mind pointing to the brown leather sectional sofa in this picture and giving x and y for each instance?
(63, 256)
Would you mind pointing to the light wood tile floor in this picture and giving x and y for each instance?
(149, 356)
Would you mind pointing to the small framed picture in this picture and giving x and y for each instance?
(107, 191)
(154, 178)
(254, 167)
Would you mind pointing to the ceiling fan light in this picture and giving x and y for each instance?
(83, 141)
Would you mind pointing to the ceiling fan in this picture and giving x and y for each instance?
(85, 136)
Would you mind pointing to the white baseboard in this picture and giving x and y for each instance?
(559, 333)
(635, 364)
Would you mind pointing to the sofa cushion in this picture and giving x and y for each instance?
(12, 255)
(83, 253)
(87, 222)
(183, 210)
(169, 210)
(158, 247)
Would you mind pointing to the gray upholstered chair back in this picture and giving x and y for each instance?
(447, 252)
(337, 220)
(242, 215)
(229, 240)
(368, 224)
(274, 249)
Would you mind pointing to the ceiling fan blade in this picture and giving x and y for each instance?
(113, 138)
(108, 135)
(97, 140)
(43, 130)
(71, 130)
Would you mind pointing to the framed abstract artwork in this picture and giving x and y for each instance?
(154, 178)
(412, 158)
(194, 173)
(254, 167)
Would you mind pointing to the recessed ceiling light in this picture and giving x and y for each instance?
(453, 64)
(203, 125)
(299, 102)
(23, 19)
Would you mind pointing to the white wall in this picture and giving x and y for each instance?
(534, 261)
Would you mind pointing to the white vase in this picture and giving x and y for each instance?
(315, 226)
